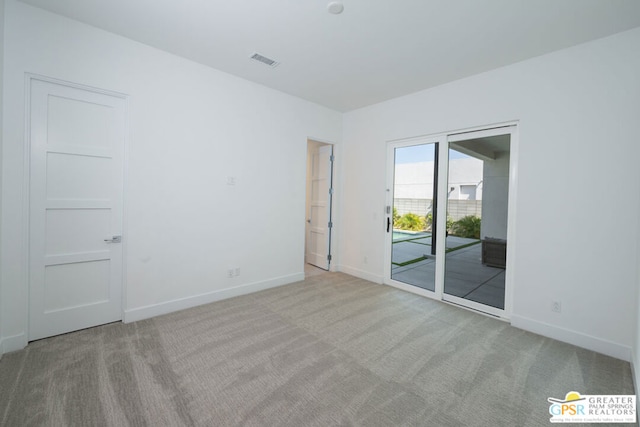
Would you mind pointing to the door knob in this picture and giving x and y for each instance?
(114, 239)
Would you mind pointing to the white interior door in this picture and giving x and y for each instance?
(319, 239)
(76, 189)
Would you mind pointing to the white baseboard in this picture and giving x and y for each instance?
(154, 310)
(360, 274)
(572, 337)
(12, 343)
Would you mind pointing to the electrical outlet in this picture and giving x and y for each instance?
(230, 273)
(556, 307)
(236, 271)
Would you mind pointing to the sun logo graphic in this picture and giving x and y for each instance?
(577, 408)
(571, 405)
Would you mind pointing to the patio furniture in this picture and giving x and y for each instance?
(494, 252)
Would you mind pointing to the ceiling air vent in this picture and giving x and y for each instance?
(268, 61)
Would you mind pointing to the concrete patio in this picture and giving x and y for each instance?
(465, 276)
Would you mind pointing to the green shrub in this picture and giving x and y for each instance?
(410, 221)
(450, 223)
(468, 226)
(428, 221)
(396, 216)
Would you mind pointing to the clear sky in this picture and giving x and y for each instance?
(422, 153)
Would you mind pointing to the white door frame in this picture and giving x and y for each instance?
(391, 146)
(329, 207)
(26, 187)
(512, 131)
(444, 139)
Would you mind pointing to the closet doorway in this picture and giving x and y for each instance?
(318, 204)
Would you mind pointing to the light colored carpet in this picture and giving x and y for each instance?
(330, 351)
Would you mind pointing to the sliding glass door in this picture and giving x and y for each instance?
(412, 214)
(447, 222)
(477, 214)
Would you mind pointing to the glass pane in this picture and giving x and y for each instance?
(478, 191)
(413, 243)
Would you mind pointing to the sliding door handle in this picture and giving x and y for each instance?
(388, 223)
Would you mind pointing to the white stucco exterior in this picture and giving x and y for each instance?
(415, 180)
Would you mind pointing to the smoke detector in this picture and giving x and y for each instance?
(267, 61)
(335, 7)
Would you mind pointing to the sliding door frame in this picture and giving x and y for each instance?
(510, 130)
(444, 139)
(391, 146)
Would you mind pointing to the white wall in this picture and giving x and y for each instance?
(495, 184)
(635, 362)
(578, 111)
(1, 116)
(191, 128)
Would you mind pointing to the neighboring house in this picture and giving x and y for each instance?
(415, 180)
(413, 188)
